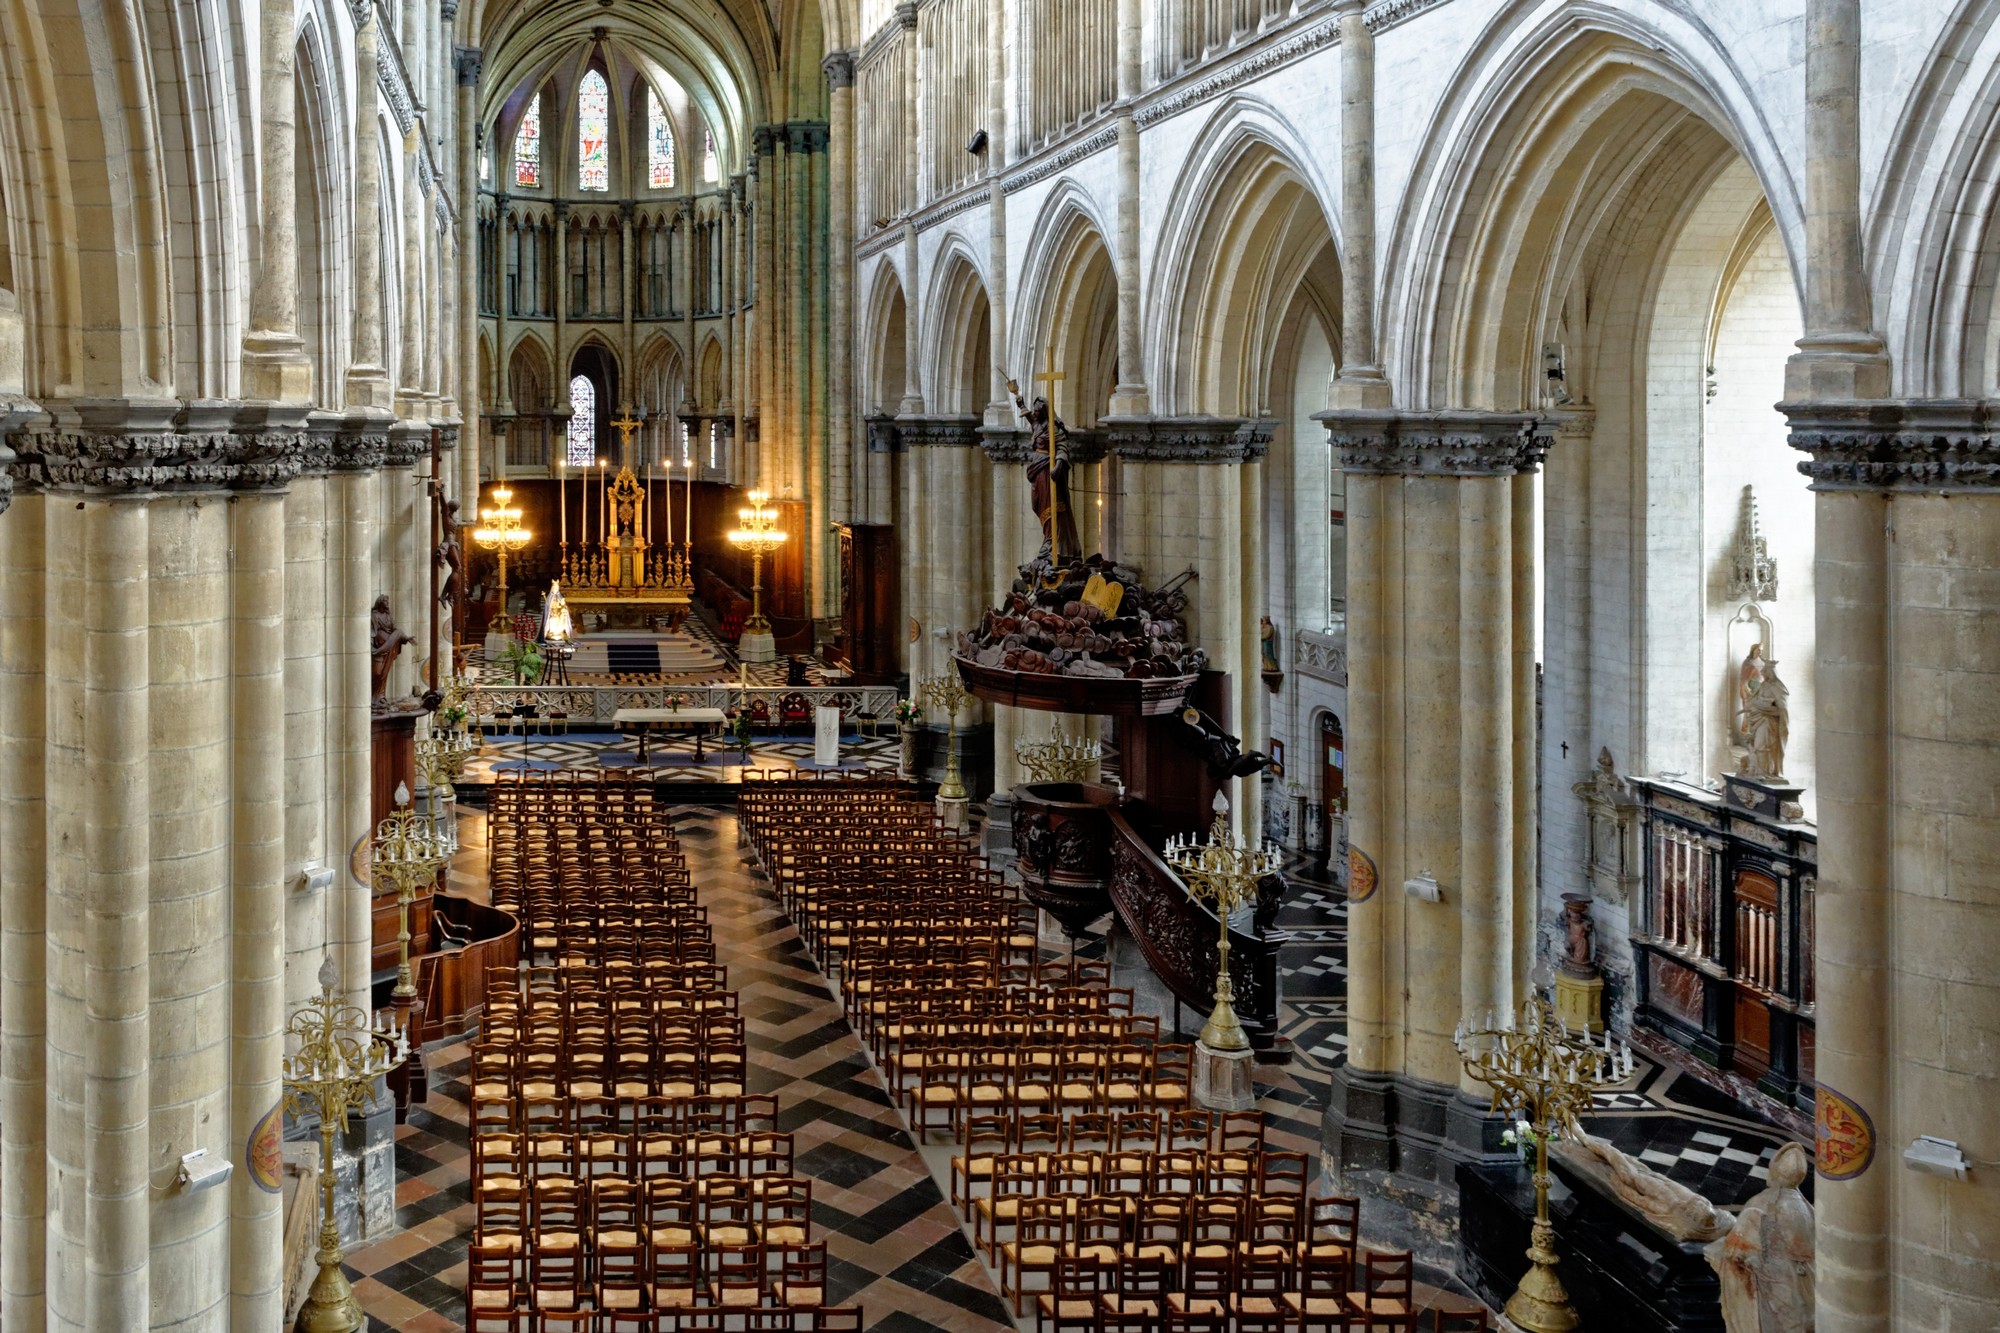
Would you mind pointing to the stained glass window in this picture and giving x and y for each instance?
(710, 168)
(582, 422)
(660, 135)
(528, 145)
(593, 133)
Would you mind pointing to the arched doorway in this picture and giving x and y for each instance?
(1332, 789)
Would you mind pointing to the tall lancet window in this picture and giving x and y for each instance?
(660, 138)
(528, 145)
(711, 166)
(593, 133)
(582, 422)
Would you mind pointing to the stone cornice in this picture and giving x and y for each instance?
(1940, 445)
(404, 443)
(1321, 655)
(883, 435)
(1189, 439)
(1006, 444)
(1061, 160)
(1389, 13)
(395, 79)
(1178, 99)
(1447, 444)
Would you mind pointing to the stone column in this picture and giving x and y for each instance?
(1131, 397)
(367, 374)
(1360, 383)
(275, 366)
(312, 594)
(351, 493)
(559, 388)
(844, 479)
(257, 909)
(24, 995)
(1433, 679)
(800, 461)
(764, 173)
(467, 63)
(631, 350)
(1841, 356)
(689, 224)
(111, 814)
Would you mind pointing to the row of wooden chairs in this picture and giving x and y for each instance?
(1087, 1294)
(625, 1281)
(632, 1020)
(531, 1216)
(602, 1069)
(609, 1150)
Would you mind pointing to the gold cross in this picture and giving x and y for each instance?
(625, 427)
(1051, 377)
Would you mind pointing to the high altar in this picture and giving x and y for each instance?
(625, 575)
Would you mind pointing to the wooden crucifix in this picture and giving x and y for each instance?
(1048, 379)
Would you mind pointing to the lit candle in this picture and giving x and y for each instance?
(690, 508)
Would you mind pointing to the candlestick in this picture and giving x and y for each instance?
(562, 498)
(690, 507)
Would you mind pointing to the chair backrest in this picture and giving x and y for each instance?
(1389, 1275)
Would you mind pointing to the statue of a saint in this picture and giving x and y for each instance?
(1765, 722)
(1579, 934)
(1672, 1207)
(1049, 482)
(385, 645)
(1766, 1260)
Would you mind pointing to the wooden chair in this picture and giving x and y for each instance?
(801, 1280)
(1041, 1234)
(1386, 1299)
(1071, 1304)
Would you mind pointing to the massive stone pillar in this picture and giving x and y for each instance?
(1907, 579)
(351, 496)
(845, 473)
(758, 470)
(1433, 685)
(24, 861)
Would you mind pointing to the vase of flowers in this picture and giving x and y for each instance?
(909, 714)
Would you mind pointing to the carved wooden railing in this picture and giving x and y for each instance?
(1177, 933)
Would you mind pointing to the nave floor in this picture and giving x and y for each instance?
(895, 1245)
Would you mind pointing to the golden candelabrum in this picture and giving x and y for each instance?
(759, 536)
(406, 855)
(500, 531)
(946, 694)
(1060, 758)
(1541, 1072)
(331, 1073)
(1223, 871)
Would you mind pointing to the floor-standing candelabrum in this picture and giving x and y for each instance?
(1223, 871)
(945, 694)
(500, 531)
(1542, 1072)
(405, 856)
(1060, 758)
(331, 1073)
(760, 536)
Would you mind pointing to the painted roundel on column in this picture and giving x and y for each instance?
(1361, 878)
(1845, 1136)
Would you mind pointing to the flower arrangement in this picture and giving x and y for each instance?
(1522, 1138)
(675, 701)
(908, 712)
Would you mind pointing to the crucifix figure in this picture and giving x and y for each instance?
(1048, 473)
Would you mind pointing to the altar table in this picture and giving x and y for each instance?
(697, 720)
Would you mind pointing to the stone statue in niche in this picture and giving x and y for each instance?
(386, 644)
(1764, 720)
(1763, 1253)
(1766, 1260)
(1271, 668)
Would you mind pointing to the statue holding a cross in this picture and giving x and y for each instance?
(1048, 473)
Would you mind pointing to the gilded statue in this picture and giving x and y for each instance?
(1048, 480)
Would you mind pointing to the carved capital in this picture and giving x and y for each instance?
(884, 435)
(807, 136)
(468, 63)
(1191, 439)
(937, 432)
(361, 11)
(362, 442)
(1438, 444)
(121, 446)
(404, 443)
(1938, 445)
(1006, 444)
(448, 9)
(839, 69)
(906, 16)
(764, 139)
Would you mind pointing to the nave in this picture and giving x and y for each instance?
(1088, 1148)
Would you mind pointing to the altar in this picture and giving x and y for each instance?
(625, 577)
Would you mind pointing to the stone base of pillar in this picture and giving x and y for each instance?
(1396, 1143)
(758, 649)
(364, 1168)
(997, 842)
(956, 815)
(1222, 1079)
